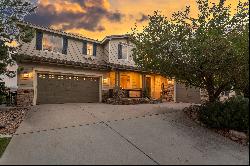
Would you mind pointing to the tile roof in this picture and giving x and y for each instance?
(59, 32)
(74, 35)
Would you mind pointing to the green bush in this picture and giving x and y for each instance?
(2, 92)
(231, 114)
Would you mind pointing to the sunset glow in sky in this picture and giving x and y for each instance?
(99, 18)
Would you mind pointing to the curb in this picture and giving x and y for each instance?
(5, 136)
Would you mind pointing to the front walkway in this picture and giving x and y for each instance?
(108, 134)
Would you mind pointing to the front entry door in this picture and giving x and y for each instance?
(148, 86)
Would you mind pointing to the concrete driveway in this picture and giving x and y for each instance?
(108, 134)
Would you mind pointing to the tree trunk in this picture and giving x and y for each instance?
(246, 92)
(213, 98)
(212, 95)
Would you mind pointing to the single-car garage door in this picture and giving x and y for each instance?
(57, 89)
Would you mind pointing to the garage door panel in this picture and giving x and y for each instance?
(67, 89)
(187, 95)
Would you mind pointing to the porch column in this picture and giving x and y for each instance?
(117, 79)
(143, 84)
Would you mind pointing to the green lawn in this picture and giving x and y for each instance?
(3, 145)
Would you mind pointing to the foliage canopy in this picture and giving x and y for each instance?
(209, 51)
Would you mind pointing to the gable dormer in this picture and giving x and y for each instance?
(119, 50)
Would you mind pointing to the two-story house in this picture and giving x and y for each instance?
(58, 67)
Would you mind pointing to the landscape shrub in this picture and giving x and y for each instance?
(231, 114)
(2, 92)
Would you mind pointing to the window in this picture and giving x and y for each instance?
(122, 51)
(90, 49)
(52, 43)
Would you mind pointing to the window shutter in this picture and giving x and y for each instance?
(39, 40)
(65, 45)
(94, 49)
(119, 51)
(84, 48)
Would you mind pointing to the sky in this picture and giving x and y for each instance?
(99, 18)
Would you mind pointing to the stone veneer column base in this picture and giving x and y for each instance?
(25, 97)
(204, 96)
(105, 95)
(170, 93)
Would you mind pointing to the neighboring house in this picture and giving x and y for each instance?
(58, 67)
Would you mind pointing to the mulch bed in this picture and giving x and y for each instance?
(236, 136)
(10, 119)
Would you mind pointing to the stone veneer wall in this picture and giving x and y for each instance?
(25, 97)
(204, 96)
(105, 95)
(170, 93)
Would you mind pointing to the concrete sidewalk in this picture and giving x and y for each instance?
(107, 134)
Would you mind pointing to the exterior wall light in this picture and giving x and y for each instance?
(105, 81)
(27, 75)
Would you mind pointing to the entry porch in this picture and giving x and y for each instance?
(138, 85)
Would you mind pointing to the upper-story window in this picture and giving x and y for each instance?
(123, 51)
(52, 42)
(90, 49)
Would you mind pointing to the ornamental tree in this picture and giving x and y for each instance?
(209, 51)
(12, 33)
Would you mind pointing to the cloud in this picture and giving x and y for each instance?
(74, 14)
(142, 18)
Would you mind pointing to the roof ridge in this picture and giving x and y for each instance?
(72, 34)
(58, 31)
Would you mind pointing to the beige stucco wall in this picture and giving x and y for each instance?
(113, 53)
(74, 52)
(106, 52)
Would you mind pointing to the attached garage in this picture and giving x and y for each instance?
(187, 95)
(59, 89)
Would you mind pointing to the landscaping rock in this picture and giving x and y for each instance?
(2, 126)
(193, 113)
(237, 134)
(10, 119)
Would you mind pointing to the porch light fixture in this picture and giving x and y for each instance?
(105, 81)
(27, 75)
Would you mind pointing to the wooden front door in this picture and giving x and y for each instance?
(148, 86)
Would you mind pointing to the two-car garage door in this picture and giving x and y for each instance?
(57, 89)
